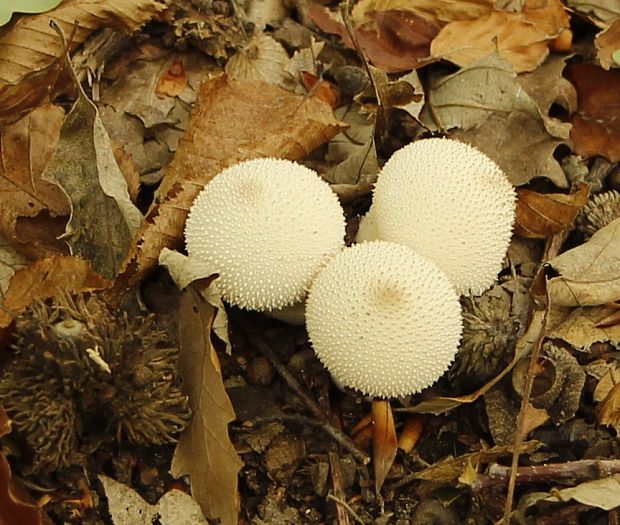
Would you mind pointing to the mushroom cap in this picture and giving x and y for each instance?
(450, 203)
(383, 319)
(265, 226)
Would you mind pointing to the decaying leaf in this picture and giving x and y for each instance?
(232, 121)
(596, 124)
(608, 410)
(522, 38)
(589, 273)
(46, 278)
(10, 262)
(126, 506)
(442, 10)
(205, 452)
(541, 215)
(31, 204)
(607, 43)
(384, 440)
(16, 508)
(495, 114)
(399, 41)
(602, 493)
(602, 12)
(579, 327)
(103, 218)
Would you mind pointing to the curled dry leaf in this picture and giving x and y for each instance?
(596, 124)
(384, 440)
(607, 43)
(232, 121)
(205, 452)
(589, 275)
(399, 41)
(541, 215)
(522, 38)
(608, 410)
(581, 327)
(47, 278)
(494, 113)
(601, 13)
(30, 46)
(31, 204)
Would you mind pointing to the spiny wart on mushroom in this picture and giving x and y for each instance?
(82, 374)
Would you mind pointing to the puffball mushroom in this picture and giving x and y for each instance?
(450, 203)
(383, 319)
(265, 226)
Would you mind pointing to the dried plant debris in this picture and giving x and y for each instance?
(600, 211)
(82, 375)
(492, 324)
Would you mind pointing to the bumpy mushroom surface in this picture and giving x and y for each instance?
(265, 226)
(383, 320)
(451, 204)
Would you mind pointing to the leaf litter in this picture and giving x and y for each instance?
(97, 179)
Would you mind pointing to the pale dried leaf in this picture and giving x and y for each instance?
(31, 44)
(205, 452)
(232, 121)
(589, 273)
(127, 507)
(601, 12)
(26, 6)
(607, 43)
(602, 493)
(579, 329)
(10, 262)
(443, 10)
(103, 218)
(522, 38)
(47, 278)
(496, 115)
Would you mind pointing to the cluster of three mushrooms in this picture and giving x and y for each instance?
(384, 317)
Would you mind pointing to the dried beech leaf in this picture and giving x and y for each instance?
(522, 38)
(232, 121)
(443, 10)
(31, 44)
(46, 278)
(541, 215)
(25, 148)
(10, 262)
(608, 410)
(205, 452)
(596, 124)
(384, 439)
(126, 506)
(607, 43)
(589, 273)
(580, 327)
(495, 114)
(399, 41)
(103, 218)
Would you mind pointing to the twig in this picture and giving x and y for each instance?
(339, 501)
(294, 385)
(582, 470)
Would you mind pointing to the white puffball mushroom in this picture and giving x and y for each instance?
(450, 203)
(383, 319)
(266, 226)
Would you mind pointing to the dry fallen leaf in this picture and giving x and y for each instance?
(232, 121)
(205, 452)
(442, 10)
(596, 124)
(542, 215)
(10, 262)
(29, 46)
(603, 493)
(607, 43)
(103, 218)
(29, 201)
(126, 506)
(602, 12)
(398, 41)
(522, 38)
(46, 278)
(578, 327)
(384, 440)
(495, 114)
(589, 274)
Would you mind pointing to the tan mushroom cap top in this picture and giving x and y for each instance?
(383, 320)
(265, 226)
(449, 202)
